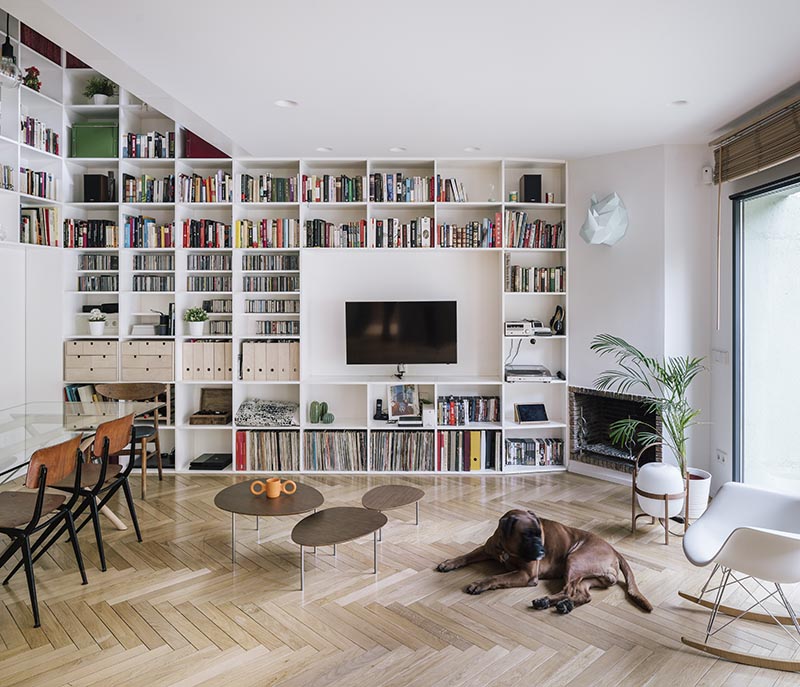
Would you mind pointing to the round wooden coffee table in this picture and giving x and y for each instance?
(334, 526)
(238, 500)
(390, 496)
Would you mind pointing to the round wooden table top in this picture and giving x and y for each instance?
(391, 496)
(238, 499)
(336, 525)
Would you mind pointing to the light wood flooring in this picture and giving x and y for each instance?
(174, 611)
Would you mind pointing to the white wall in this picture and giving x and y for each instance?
(473, 279)
(653, 288)
(616, 289)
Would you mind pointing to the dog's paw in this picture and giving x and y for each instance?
(446, 566)
(540, 604)
(475, 588)
(564, 606)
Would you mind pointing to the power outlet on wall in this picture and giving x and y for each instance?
(722, 457)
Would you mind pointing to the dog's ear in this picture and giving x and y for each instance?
(507, 525)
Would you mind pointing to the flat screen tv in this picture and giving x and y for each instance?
(394, 332)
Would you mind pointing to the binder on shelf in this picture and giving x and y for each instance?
(219, 361)
(208, 360)
(475, 450)
(262, 362)
(248, 361)
(188, 361)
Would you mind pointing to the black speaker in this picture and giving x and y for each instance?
(530, 188)
(95, 188)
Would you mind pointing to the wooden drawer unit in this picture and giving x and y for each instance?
(90, 361)
(147, 361)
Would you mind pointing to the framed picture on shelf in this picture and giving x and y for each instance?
(403, 400)
(529, 413)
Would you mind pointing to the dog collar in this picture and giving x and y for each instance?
(504, 556)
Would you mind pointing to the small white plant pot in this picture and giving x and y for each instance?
(699, 491)
(100, 99)
(97, 328)
(660, 478)
(196, 328)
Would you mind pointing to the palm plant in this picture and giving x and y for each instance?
(665, 382)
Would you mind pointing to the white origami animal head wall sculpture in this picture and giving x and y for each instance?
(606, 221)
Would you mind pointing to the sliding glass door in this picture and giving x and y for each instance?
(767, 336)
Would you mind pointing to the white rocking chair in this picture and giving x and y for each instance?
(748, 534)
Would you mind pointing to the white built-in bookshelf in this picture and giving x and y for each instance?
(307, 286)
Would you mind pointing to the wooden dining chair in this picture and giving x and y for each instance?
(101, 480)
(25, 513)
(146, 432)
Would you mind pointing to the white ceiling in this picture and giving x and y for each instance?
(513, 77)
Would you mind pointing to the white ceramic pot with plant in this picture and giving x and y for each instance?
(666, 384)
(99, 89)
(196, 318)
(97, 322)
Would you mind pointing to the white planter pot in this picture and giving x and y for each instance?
(97, 328)
(100, 99)
(699, 491)
(196, 328)
(660, 478)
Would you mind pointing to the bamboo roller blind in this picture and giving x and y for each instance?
(759, 144)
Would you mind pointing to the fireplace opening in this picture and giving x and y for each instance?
(591, 413)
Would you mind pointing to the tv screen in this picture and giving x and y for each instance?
(392, 332)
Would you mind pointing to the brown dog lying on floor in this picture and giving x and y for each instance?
(534, 548)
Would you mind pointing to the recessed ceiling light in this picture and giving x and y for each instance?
(471, 149)
(286, 103)
(679, 102)
(397, 149)
(324, 149)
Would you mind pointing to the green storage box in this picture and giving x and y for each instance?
(95, 139)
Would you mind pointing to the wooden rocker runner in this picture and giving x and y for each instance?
(750, 535)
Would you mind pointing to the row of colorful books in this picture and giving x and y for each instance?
(266, 188)
(153, 144)
(39, 226)
(461, 410)
(535, 451)
(37, 134)
(478, 234)
(217, 188)
(147, 189)
(39, 184)
(537, 234)
(468, 450)
(206, 233)
(322, 234)
(268, 233)
(394, 233)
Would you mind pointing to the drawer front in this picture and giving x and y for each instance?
(156, 347)
(130, 348)
(147, 374)
(140, 361)
(84, 361)
(91, 347)
(91, 374)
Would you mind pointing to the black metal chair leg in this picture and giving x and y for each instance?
(98, 535)
(10, 551)
(76, 547)
(132, 508)
(28, 561)
(35, 545)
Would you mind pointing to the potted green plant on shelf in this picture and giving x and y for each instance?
(666, 383)
(99, 89)
(196, 317)
(31, 79)
(97, 322)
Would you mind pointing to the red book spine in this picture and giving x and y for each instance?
(241, 450)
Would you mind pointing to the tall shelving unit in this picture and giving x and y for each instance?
(351, 393)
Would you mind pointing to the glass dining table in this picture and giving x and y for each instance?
(30, 426)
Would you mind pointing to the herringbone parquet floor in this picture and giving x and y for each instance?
(174, 611)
